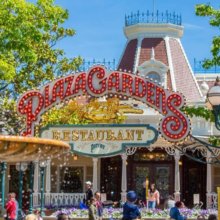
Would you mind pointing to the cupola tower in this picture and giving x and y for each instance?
(154, 50)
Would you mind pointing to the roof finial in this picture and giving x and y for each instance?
(217, 81)
(153, 8)
(152, 54)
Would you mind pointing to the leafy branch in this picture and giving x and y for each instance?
(206, 10)
(207, 115)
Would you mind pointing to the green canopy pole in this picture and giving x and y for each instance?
(42, 173)
(3, 171)
(21, 167)
(31, 167)
(20, 194)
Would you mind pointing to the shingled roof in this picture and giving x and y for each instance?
(168, 50)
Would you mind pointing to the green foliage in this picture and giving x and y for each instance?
(10, 122)
(206, 10)
(29, 56)
(207, 115)
(59, 116)
(199, 112)
(28, 36)
(214, 140)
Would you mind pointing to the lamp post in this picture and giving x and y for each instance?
(21, 167)
(42, 165)
(213, 97)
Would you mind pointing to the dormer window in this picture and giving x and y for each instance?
(154, 76)
(154, 70)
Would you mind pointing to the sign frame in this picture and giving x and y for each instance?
(123, 146)
(174, 126)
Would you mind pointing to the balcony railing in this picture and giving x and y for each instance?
(110, 65)
(57, 200)
(150, 17)
(212, 200)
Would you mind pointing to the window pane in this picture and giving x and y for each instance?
(71, 179)
(141, 173)
(162, 181)
(154, 76)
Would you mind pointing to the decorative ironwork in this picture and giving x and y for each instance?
(151, 148)
(199, 150)
(170, 150)
(111, 65)
(130, 150)
(198, 67)
(151, 17)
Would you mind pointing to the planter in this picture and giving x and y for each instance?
(54, 218)
(147, 214)
(49, 212)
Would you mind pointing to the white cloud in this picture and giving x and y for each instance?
(192, 26)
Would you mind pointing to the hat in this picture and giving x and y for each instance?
(131, 196)
(88, 182)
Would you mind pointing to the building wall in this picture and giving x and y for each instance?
(216, 177)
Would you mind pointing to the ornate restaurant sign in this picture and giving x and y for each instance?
(97, 82)
(102, 139)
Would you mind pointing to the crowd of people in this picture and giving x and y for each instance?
(95, 206)
(131, 206)
(93, 202)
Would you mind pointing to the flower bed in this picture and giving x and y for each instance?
(116, 213)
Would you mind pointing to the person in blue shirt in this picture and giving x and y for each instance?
(130, 210)
(175, 212)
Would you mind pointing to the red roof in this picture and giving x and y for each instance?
(183, 77)
(185, 82)
(127, 61)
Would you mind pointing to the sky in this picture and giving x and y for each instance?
(99, 26)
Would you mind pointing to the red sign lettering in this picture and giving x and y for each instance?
(174, 127)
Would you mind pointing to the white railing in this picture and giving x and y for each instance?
(215, 200)
(59, 199)
(212, 200)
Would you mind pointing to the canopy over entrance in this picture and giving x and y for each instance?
(21, 149)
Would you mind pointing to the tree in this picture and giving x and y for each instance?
(10, 122)
(207, 10)
(28, 36)
(29, 57)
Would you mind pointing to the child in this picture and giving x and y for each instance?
(37, 213)
(11, 207)
(31, 217)
(93, 209)
(130, 210)
(212, 217)
(62, 216)
(99, 205)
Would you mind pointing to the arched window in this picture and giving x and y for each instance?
(154, 76)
